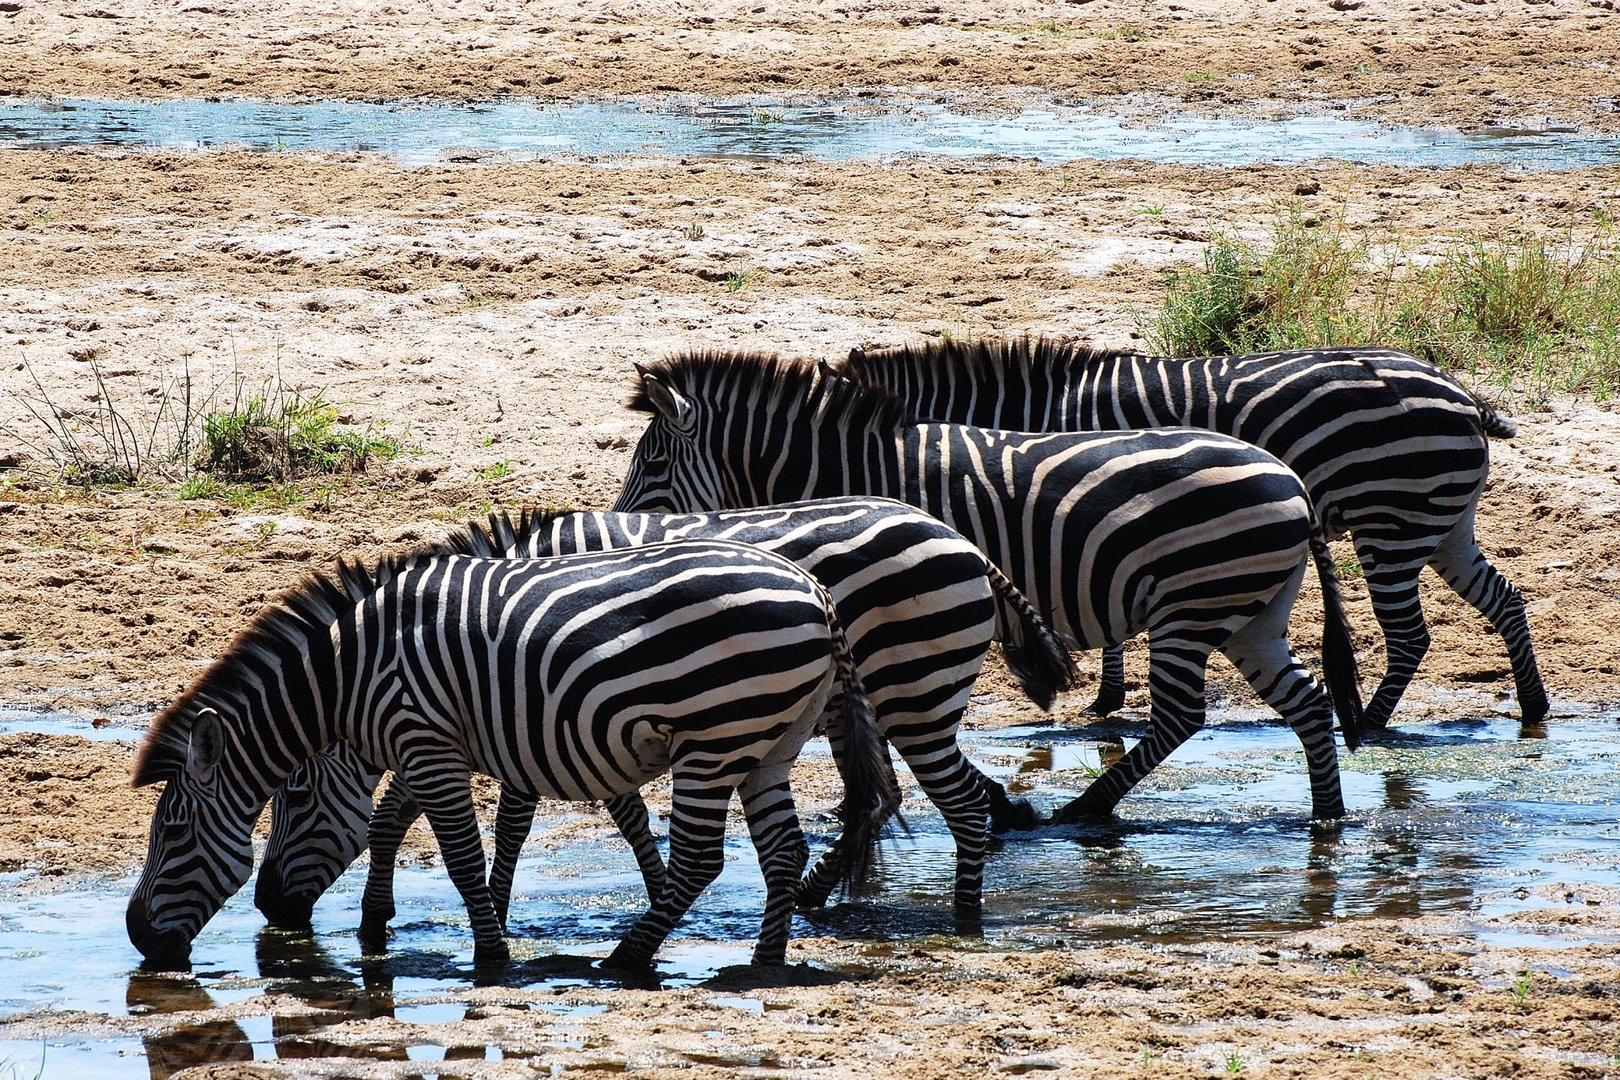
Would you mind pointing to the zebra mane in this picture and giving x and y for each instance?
(718, 373)
(499, 535)
(981, 360)
(306, 609)
(283, 628)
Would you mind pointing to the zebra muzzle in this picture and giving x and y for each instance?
(164, 950)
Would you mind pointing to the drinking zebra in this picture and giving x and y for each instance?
(1392, 450)
(576, 678)
(918, 602)
(1196, 537)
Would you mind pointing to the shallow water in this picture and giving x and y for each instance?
(1472, 819)
(419, 132)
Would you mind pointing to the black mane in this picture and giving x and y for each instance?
(310, 607)
(986, 360)
(707, 375)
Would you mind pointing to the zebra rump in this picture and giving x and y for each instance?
(576, 678)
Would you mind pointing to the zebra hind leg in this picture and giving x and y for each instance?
(697, 833)
(819, 883)
(630, 814)
(513, 820)
(774, 826)
(1465, 568)
(395, 812)
(1176, 676)
(962, 794)
(1261, 652)
(1392, 582)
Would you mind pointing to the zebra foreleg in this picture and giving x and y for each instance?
(630, 814)
(514, 817)
(697, 833)
(1176, 681)
(774, 826)
(1111, 688)
(444, 789)
(395, 812)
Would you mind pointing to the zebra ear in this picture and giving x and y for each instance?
(670, 405)
(206, 747)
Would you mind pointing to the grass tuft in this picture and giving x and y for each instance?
(1521, 310)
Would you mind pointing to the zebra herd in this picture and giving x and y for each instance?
(806, 547)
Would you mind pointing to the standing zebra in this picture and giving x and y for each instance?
(1392, 450)
(576, 678)
(1198, 538)
(919, 605)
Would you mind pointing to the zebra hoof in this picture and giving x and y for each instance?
(624, 958)
(494, 954)
(1082, 812)
(1014, 815)
(1534, 709)
(373, 938)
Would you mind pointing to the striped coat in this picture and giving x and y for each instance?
(919, 604)
(1391, 449)
(573, 678)
(1197, 538)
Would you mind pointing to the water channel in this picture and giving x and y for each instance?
(421, 132)
(1470, 819)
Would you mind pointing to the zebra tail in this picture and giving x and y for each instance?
(1339, 668)
(1034, 652)
(864, 767)
(1493, 423)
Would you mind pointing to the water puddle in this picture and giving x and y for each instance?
(1472, 819)
(422, 132)
(25, 721)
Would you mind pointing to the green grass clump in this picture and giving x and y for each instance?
(279, 433)
(1520, 310)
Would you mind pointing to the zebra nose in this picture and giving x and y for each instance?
(289, 911)
(164, 950)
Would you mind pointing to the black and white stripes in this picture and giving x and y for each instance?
(1391, 449)
(1195, 537)
(577, 678)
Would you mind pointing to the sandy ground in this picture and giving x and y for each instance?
(488, 313)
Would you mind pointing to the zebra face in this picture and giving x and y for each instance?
(199, 853)
(318, 825)
(668, 473)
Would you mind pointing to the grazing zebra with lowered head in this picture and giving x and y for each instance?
(576, 678)
(1392, 450)
(1196, 537)
(919, 604)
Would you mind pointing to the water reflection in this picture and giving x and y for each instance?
(185, 1045)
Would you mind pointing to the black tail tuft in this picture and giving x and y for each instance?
(864, 765)
(1034, 652)
(1493, 423)
(1338, 651)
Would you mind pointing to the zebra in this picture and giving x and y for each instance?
(916, 600)
(1392, 450)
(1196, 537)
(577, 678)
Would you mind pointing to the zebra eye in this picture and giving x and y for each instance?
(299, 796)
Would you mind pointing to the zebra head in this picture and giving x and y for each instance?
(667, 472)
(318, 820)
(201, 849)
